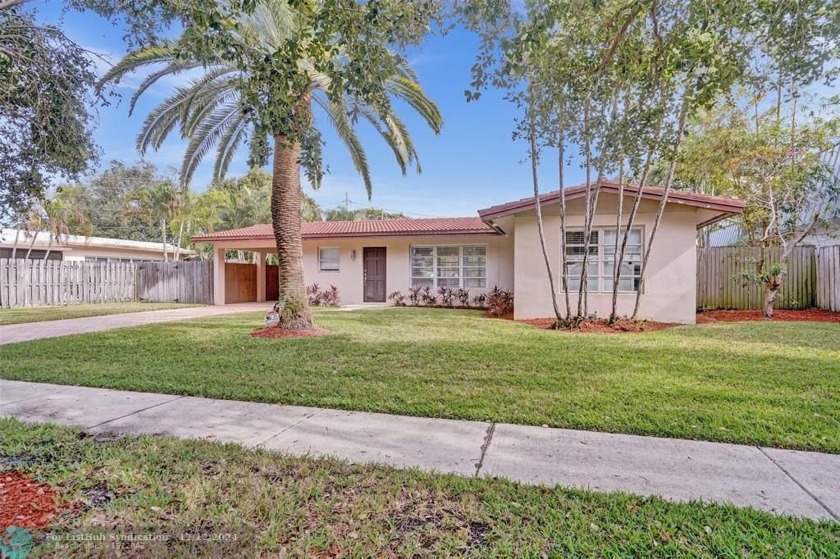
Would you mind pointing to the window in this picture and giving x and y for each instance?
(601, 260)
(449, 266)
(328, 259)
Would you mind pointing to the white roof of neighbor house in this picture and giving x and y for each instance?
(67, 242)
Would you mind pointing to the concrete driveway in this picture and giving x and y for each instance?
(15, 333)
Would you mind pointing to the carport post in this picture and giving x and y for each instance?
(259, 257)
(218, 275)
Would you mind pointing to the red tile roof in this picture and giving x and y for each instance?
(721, 203)
(370, 228)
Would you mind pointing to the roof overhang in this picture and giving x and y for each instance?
(437, 227)
(715, 208)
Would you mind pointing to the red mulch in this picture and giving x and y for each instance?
(25, 503)
(601, 326)
(812, 315)
(507, 316)
(274, 333)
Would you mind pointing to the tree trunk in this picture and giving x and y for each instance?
(15, 245)
(532, 136)
(31, 244)
(163, 237)
(178, 246)
(618, 258)
(293, 305)
(771, 291)
(49, 249)
(561, 183)
(669, 180)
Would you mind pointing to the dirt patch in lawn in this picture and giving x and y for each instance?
(24, 502)
(274, 333)
(602, 326)
(805, 315)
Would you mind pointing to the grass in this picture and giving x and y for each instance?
(224, 501)
(772, 384)
(38, 314)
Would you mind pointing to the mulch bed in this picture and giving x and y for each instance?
(274, 333)
(810, 315)
(24, 502)
(601, 326)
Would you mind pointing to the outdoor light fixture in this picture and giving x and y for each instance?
(353, 254)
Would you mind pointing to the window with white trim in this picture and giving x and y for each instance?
(449, 266)
(328, 259)
(601, 260)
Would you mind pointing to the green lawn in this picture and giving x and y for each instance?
(775, 384)
(224, 501)
(38, 314)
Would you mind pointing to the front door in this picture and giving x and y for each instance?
(374, 264)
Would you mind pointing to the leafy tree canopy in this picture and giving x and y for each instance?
(46, 100)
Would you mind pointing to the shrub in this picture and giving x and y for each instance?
(330, 296)
(427, 297)
(313, 293)
(479, 300)
(414, 295)
(397, 298)
(499, 302)
(322, 298)
(447, 296)
(463, 296)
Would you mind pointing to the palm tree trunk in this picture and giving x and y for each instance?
(31, 244)
(49, 249)
(292, 305)
(163, 238)
(178, 246)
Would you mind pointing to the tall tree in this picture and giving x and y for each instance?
(264, 72)
(158, 204)
(46, 100)
(778, 168)
(107, 199)
(621, 80)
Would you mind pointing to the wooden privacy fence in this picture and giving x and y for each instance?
(175, 282)
(721, 283)
(828, 278)
(35, 283)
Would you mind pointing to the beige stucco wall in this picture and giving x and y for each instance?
(349, 278)
(670, 280)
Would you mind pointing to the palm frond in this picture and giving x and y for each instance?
(228, 144)
(206, 135)
(336, 112)
(410, 91)
(164, 53)
(171, 69)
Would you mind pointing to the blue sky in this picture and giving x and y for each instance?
(473, 163)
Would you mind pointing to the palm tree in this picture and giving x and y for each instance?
(208, 112)
(159, 203)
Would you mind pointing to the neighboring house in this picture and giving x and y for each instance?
(87, 249)
(826, 234)
(366, 260)
(826, 231)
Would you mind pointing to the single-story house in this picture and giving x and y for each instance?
(367, 260)
(81, 248)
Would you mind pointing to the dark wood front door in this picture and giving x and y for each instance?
(374, 264)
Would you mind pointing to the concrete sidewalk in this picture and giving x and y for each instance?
(781, 481)
(14, 333)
